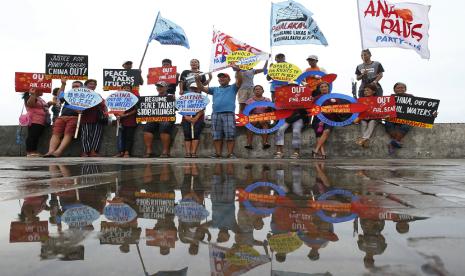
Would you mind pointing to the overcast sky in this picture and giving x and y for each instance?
(110, 32)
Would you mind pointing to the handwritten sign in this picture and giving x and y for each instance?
(284, 71)
(160, 238)
(190, 211)
(378, 107)
(191, 103)
(72, 67)
(25, 81)
(28, 232)
(114, 79)
(156, 109)
(167, 74)
(79, 215)
(121, 101)
(116, 233)
(82, 98)
(247, 59)
(415, 111)
(293, 97)
(119, 212)
(244, 255)
(285, 243)
(155, 205)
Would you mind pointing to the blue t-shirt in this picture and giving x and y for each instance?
(224, 98)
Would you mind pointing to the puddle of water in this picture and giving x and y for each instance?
(223, 219)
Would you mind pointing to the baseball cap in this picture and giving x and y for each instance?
(221, 75)
(162, 84)
(313, 57)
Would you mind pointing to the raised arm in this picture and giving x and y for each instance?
(258, 71)
(200, 85)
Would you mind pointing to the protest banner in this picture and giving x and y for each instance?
(291, 23)
(285, 242)
(402, 25)
(166, 74)
(415, 111)
(284, 71)
(243, 255)
(119, 212)
(221, 265)
(81, 99)
(293, 97)
(242, 56)
(120, 101)
(154, 205)
(28, 231)
(156, 109)
(114, 79)
(191, 103)
(71, 67)
(223, 45)
(188, 210)
(25, 81)
(116, 233)
(79, 215)
(378, 107)
(160, 238)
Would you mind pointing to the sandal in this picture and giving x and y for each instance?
(188, 155)
(295, 155)
(278, 155)
(148, 155)
(266, 146)
(165, 155)
(194, 155)
(249, 147)
(121, 154)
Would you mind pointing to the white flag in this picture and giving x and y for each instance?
(402, 25)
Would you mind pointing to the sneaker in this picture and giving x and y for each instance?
(396, 144)
(278, 155)
(295, 155)
(232, 156)
(215, 156)
(249, 147)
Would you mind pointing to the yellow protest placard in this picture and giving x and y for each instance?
(284, 71)
(239, 55)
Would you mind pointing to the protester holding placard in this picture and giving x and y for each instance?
(321, 129)
(369, 72)
(278, 58)
(165, 129)
(128, 124)
(64, 126)
(188, 76)
(313, 81)
(128, 66)
(258, 97)
(223, 117)
(246, 91)
(192, 126)
(367, 126)
(91, 128)
(56, 104)
(37, 110)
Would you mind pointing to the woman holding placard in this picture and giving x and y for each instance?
(192, 126)
(37, 111)
(367, 126)
(129, 126)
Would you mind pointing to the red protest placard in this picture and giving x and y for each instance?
(24, 81)
(161, 238)
(293, 97)
(157, 74)
(378, 107)
(28, 232)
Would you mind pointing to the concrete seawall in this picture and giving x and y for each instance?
(443, 141)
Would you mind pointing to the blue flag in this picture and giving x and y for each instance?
(291, 23)
(168, 33)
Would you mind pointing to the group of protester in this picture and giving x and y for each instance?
(223, 119)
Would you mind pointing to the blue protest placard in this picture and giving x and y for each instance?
(82, 98)
(190, 211)
(191, 103)
(119, 212)
(79, 215)
(121, 101)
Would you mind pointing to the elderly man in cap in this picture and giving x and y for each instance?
(164, 128)
(224, 107)
(313, 81)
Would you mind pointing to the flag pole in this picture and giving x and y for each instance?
(148, 42)
(360, 23)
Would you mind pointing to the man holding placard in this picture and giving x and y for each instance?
(278, 58)
(223, 117)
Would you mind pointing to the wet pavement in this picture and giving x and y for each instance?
(107, 216)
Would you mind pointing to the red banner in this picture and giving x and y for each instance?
(28, 232)
(157, 74)
(293, 97)
(160, 238)
(378, 107)
(24, 81)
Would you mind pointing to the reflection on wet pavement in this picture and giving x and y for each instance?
(233, 218)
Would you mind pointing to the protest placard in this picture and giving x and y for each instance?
(285, 242)
(72, 67)
(378, 107)
(79, 215)
(25, 81)
(114, 79)
(191, 103)
(188, 210)
(116, 234)
(293, 97)
(243, 56)
(121, 101)
(284, 71)
(166, 74)
(28, 231)
(160, 238)
(155, 205)
(119, 212)
(82, 98)
(415, 111)
(156, 109)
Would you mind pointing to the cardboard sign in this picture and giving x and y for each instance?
(79, 215)
(167, 74)
(71, 67)
(82, 98)
(28, 232)
(25, 81)
(415, 111)
(155, 205)
(156, 109)
(114, 79)
(119, 212)
(241, 56)
(285, 243)
(378, 107)
(160, 238)
(191, 103)
(293, 97)
(116, 234)
(121, 101)
(284, 71)
(190, 211)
